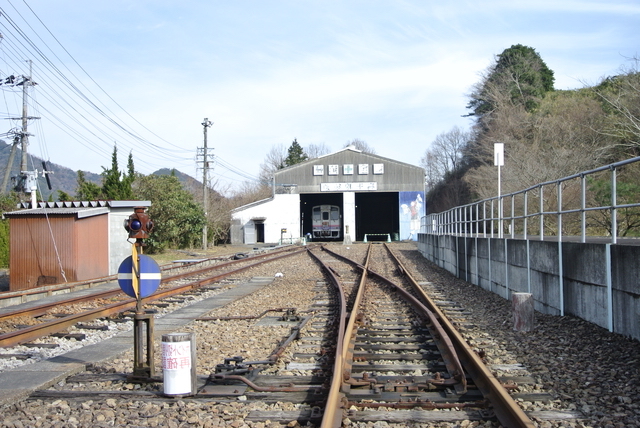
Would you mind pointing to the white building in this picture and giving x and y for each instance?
(378, 198)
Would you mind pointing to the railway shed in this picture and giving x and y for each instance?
(62, 242)
(378, 199)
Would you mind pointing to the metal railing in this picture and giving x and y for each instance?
(587, 191)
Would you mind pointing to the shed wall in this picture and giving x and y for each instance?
(33, 261)
(92, 256)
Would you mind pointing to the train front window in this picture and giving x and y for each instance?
(316, 213)
(325, 215)
(335, 213)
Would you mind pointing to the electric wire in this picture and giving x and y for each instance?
(87, 74)
(79, 115)
(59, 86)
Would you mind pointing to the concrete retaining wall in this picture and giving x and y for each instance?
(599, 283)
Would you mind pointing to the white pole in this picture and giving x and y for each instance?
(499, 198)
(498, 160)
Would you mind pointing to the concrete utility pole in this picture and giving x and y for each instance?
(22, 136)
(205, 181)
(24, 140)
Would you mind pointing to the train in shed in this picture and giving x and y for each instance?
(326, 222)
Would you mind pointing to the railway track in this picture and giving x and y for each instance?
(172, 285)
(367, 345)
(398, 354)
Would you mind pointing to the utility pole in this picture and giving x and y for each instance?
(22, 136)
(205, 180)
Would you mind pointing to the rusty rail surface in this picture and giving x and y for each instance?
(60, 288)
(42, 309)
(34, 332)
(506, 409)
(332, 416)
(45, 307)
(440, 336)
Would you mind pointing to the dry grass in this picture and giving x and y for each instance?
(198, 253)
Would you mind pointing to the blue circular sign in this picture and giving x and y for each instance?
(150, 276)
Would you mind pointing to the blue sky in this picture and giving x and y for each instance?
(392, 73)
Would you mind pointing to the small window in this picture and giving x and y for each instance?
(325, 215)
(335, 213)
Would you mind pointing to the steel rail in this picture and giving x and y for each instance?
(88, 283)
(44, 308)
(34, 332)
(441, 338)
(505, 407)
(71, 286)
(351, 331)
(332, 416)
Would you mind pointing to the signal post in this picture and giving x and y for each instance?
(139, 277)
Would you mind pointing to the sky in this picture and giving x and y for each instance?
(143, 75)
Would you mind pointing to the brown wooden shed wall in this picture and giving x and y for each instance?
(82, 245)
(92, 243)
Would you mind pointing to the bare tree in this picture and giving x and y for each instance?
(273, 161)
(431, 176)
(250, 192)
(622, 94)
(361, 145)
(445, 154)
(314, 151)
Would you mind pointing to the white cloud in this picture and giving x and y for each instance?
(394, 74)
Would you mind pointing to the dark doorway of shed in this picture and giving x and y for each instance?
(377, 216)
(310, 200)
(260, 233)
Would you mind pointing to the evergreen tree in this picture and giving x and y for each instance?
(295, 154)
(519, 76)
(127, 180)
(86, 190)
(63, 196)
(116, 185)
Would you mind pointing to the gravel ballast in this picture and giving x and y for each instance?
(582, 366)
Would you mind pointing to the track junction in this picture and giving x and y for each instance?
(324, 336)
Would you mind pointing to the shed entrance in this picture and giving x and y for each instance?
(310, 200)
(377, 215)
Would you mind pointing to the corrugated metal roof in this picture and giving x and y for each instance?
(78, 212)
(86, 204)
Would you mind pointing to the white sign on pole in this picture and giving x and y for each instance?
(498, 154)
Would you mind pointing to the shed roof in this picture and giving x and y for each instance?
(86, 204)
(78, 212)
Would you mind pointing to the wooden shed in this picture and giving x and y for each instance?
(67, 242)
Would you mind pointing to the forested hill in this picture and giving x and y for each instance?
(66, 179)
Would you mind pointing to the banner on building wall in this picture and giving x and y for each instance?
(412, 209)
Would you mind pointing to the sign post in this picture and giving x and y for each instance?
(498, 160)
(139, 277)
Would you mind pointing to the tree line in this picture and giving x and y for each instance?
(547, 134)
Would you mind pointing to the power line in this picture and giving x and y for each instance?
(81, 114)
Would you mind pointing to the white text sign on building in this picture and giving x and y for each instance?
(345, 187)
